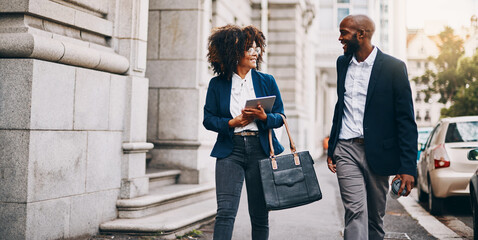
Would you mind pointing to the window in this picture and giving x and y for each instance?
(462, 132)
(434, 138)
(384, 8)
(419, 64)
(431, 136)
(341, 14)
(427, 116)
(418, 98)
(384, 23)
(417, 117)
(343, 1)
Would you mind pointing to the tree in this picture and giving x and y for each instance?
(454, 78)
(465, 103)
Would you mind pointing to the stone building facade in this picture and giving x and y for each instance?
(101, 109)
(73, 108)
(420, 47)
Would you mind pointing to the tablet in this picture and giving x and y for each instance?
(266, 102)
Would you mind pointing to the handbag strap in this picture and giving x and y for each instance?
(291, 144)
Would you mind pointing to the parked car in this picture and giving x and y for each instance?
(473, 156)
(423, 134)
(443, 168)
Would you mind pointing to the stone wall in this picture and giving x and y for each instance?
(177, 70)
(60, 142)
(73, 105)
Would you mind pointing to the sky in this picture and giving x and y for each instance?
(455, 13)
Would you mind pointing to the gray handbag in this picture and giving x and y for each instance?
(289, 180)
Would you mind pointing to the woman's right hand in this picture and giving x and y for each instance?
(240, 121)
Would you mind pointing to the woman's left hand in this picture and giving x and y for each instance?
(257, 113)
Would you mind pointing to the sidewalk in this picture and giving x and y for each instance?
(319, 220)
(322, 219)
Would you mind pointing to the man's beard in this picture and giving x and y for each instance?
(352, 46)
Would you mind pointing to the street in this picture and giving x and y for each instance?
(456, 216)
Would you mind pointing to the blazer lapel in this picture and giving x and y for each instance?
(226, 96)
(257, 83)
(341, 82)
(377, 66)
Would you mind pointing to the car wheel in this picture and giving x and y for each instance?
(422, 195)
(435, 205)
(475, 214)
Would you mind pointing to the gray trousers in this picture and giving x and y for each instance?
(364, 194)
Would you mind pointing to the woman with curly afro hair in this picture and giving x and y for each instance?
(235, 54)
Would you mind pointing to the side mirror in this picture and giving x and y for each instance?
(473, 154)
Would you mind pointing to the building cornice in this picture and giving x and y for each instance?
(28, 45)
(25, 36)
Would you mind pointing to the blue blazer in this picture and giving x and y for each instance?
(390, 131)
(217, 113)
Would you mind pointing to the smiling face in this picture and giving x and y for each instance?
(249, 60)
(348, 36)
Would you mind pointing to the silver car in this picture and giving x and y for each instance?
(444, 169)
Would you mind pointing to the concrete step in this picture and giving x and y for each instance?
(166, 224)
(164, 198)
(159, 177)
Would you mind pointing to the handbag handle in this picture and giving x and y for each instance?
(291, 144)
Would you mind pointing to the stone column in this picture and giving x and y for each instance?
(72, 99)
(177, 70)
(260, 18)
(398, 42)
(131, 36)
(289, 53)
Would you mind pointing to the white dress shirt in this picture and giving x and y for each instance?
(356, 85)
(242, 90)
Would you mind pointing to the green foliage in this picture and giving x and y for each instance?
(465, 103)
(455, 77)
(194, 234)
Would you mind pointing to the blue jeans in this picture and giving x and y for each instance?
(243, 163)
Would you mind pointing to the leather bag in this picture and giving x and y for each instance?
(289, 180)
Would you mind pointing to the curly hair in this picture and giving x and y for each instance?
(228, 44)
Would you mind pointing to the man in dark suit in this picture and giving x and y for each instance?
(374, 134)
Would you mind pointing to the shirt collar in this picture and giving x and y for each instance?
(237, 80)
(369, 60)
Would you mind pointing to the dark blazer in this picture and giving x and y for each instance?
(217, 113)
(390, 131)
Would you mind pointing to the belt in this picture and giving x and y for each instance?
(358, 140)
(247, 133)
(354, 140)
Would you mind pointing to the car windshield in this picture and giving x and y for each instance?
(462, 132)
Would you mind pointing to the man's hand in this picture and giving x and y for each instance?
(331, 165)
(240, 121)
(407, 180)
(256, 113)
